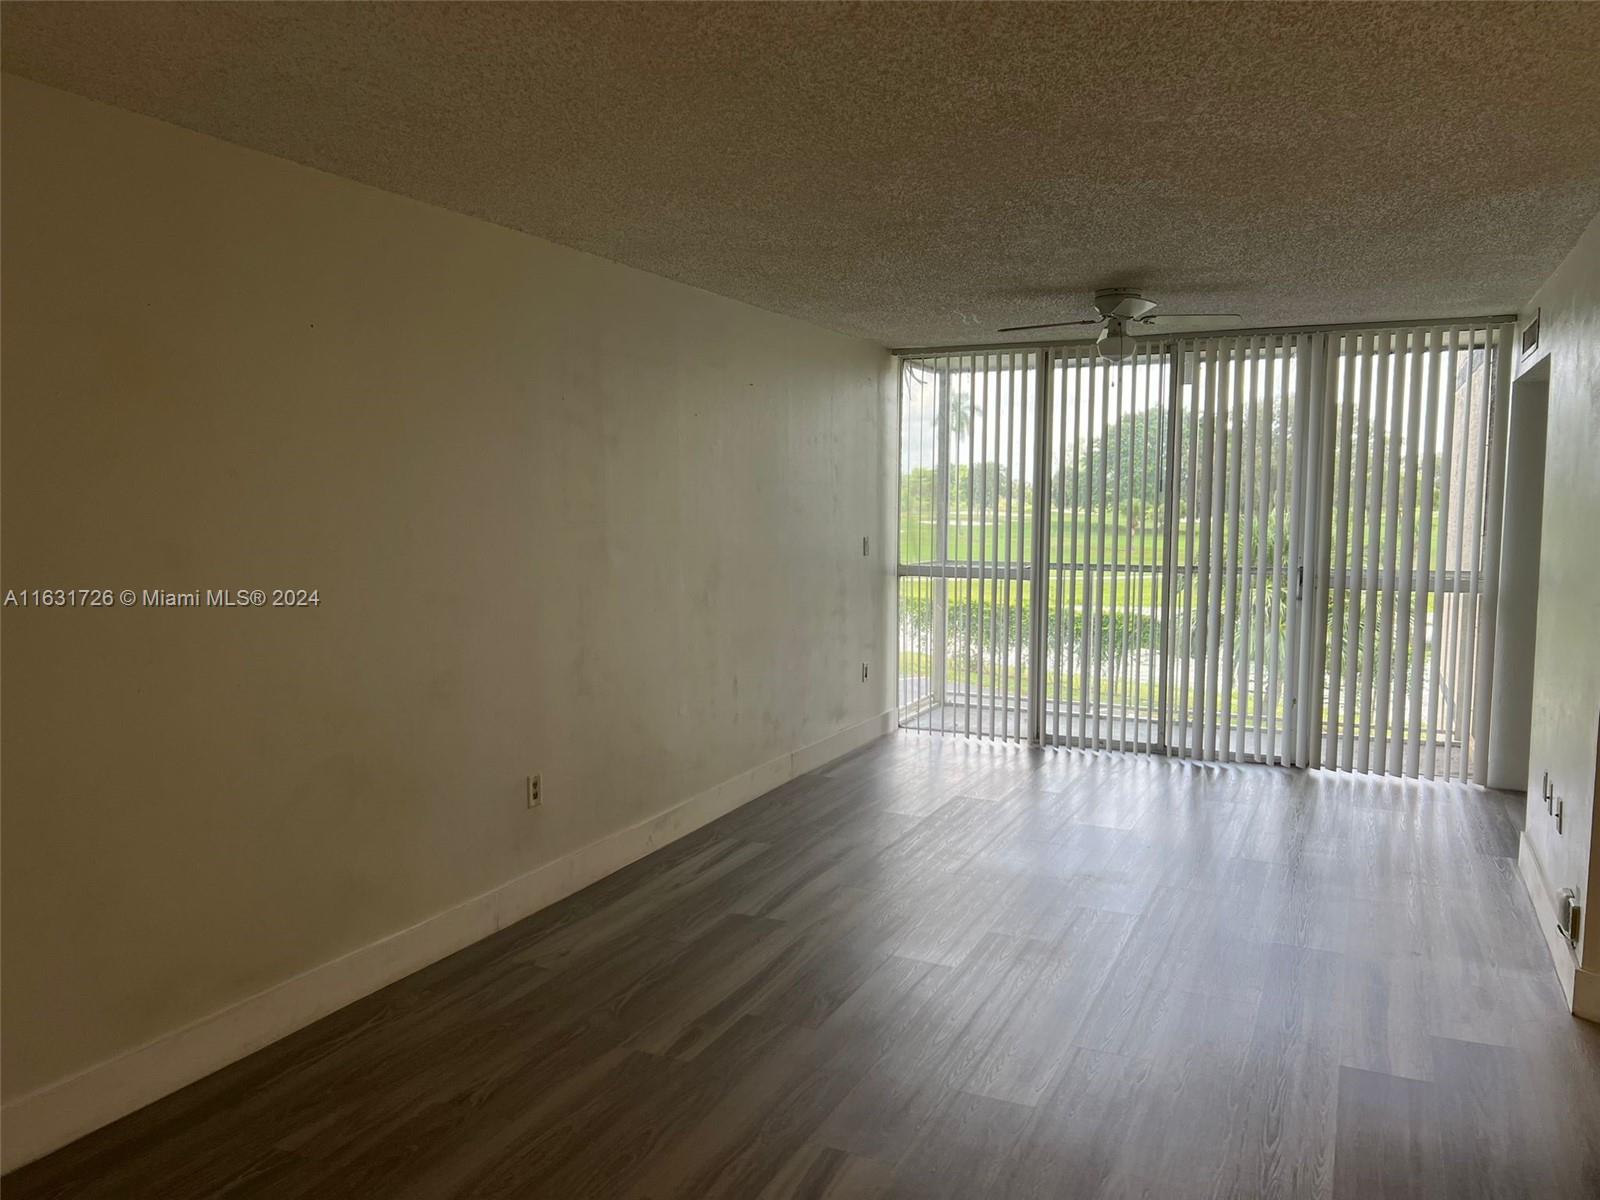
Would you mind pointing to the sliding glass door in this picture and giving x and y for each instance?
(1271, 548)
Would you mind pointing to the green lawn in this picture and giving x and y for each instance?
(1136, 591)
(991, 600)
(986, 540)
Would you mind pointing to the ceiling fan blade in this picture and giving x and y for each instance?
(1176, 322)
(1051, 325)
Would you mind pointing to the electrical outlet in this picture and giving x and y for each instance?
(1561, 808)
(1549, 794)
(863, 672)
(535, 796)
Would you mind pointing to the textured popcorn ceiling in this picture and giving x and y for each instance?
(923, 175)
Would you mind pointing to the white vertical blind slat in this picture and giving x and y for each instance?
(985, 572)
(1213, 612)
(1423, 591)
(1454, 696)
(1075, 376)
(989, 555)
(1442, 603)
(1152, 453)
(1230, 421)
(1384, 581)
(1084, 601)
(1000, 573)
(1316, 695)
(1373, 547)
(1278, 751)
(1010, 722)
(1017, 510)
(1242, 534)
(1198, 538)
(1191, 510)
(1352, 729)
(1300, 558)
(1065, 423)
(1131, 691)
(1264, 579)
(1342, 371)
(1111, 527)
(1407, 533)
(977, 553)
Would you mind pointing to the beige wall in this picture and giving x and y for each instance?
(1566, 685)
(563, 516)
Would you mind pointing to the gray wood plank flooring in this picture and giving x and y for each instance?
(941, 968)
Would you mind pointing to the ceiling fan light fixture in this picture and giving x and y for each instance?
(1115, 342)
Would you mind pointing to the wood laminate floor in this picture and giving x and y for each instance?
(948, 969)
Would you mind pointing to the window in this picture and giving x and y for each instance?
(1278, 547)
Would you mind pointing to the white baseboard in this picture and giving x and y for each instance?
(1586, 994)
(52, 1116)
(1581, 988)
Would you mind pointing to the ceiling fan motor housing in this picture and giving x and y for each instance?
(1122, 303)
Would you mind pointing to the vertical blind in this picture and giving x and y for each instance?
(1417, 424)
(966, 448)
(1277, 547)
(1106, 459)
(1233, 647)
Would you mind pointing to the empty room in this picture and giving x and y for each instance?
(671, 601)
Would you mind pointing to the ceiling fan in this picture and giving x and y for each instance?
(1124, 312)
